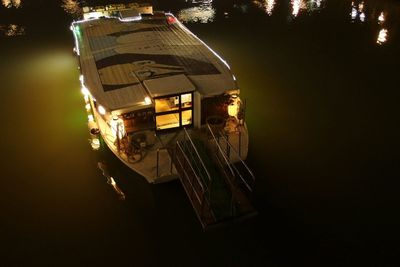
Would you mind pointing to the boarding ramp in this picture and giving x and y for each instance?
(219, 190)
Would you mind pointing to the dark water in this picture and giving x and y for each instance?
(323, 116)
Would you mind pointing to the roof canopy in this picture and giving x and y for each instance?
(169, 85)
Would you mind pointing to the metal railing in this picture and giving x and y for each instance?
(245, 176)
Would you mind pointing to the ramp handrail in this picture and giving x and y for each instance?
(197, 154)
(203, 190)
(249, 180)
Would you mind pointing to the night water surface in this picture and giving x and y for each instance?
(321, 81)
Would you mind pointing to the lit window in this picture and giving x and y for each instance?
(167, 104)
(186, 100)
(174, 111)
(167, 121)
(187, 117)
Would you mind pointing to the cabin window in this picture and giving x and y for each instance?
(167, 104)
(174, 111)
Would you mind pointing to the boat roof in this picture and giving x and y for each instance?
(124, 60)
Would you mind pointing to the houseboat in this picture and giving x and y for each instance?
(165, 104)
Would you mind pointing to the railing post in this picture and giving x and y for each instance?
(240, 143)
(228, 148)
(158, 159)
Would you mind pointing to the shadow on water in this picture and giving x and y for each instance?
(323, 120)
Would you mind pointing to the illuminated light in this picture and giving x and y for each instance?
(234, 78)
(95, 143)
(147, 100)
(75, 37)
(203, 43)
(362, 17)
(381, 17)
(101, 110)
(233, 110)
(87, 106)
(93, 15)
(171, 20)
(382, 36)
(85, 91)
(136, 18)
(90, 118)
(86, 97)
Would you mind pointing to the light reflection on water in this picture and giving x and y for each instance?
(11, 3)
(72, 7)
(297, 6)
(12, 30)
(204, 13)
(266, 5)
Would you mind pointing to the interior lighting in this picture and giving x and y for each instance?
(87, 106)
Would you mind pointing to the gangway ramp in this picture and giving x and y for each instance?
(218, 188)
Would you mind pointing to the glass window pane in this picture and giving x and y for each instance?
(167, 104)
(167, 121)
(186, 100)
(186, 117)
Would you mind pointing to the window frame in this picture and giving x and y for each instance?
(178, 111)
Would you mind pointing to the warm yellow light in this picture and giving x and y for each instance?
(101, 110)
(95, 143)
(86, 97)
(87, 106)
(90, 117)
(233, 110)
(147, 100)
(84, 90)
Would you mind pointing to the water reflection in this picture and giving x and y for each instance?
(381, 18)
(11, 30)
(314, 5)
(11, 3)
(382, 36)
(267, 6)
(204, 13)
(357, 11)
(72, 7)
(297, 6)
